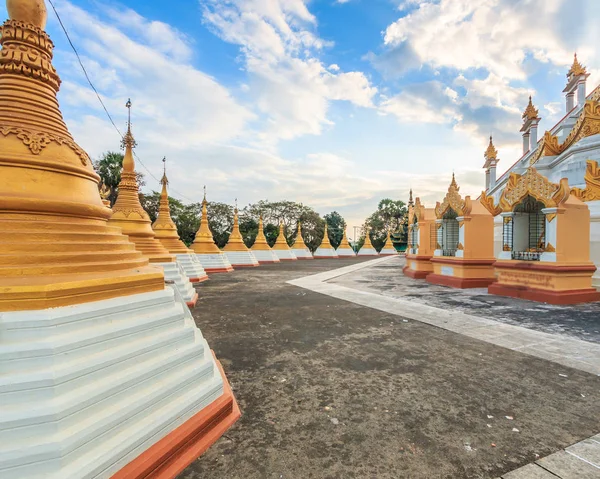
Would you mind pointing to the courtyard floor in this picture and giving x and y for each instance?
(329, 388)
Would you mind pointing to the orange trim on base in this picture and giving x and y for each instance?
(200, 279)
(288, 259)
(178, 449)
(415, 274)
(456, 282)
(574, 296)
(306, 258)
(192, 304)
(245, 265)
(218, 270)
(268, 262)
(326, 257)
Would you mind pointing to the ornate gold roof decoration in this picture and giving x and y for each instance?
(592, 183)
(531, 112)
(488, 203)
(419, 210)
(587, 124)
(453, 201)
(491, 153)
(576, 68)
(535, 185)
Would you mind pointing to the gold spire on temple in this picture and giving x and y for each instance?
(576, 68)
(367, 243)
(325, 243)
(299, 243)
(281, 243)
(55, 244)
(128, 213)
(453, 185)
(410, 198)
(491, 153)
(344, 242)
(204, 242)
(164, 227)
(235, 242)
(531, 112)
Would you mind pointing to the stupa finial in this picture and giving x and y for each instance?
(164, 180)
(577, 68)
(31, 12)
(491, 153)
(204, 200)
(531, 112)
(128, 143)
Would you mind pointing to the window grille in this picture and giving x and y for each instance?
(413, 239)
(537, 230)
(507, 233)
(450, 233)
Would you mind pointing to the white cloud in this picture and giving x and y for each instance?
(292, 87)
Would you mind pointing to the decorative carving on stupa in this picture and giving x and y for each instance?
(591, 192)
(49, 192)
(128, 213)
(453, 201)
(164, 227)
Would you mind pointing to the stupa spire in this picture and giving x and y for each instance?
(281, 243)
(235, 242)
(261, 249)
(325, 243)
(367, 247)
(48, 188)
(299, 243)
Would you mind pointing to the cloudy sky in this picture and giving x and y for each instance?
(334, 103)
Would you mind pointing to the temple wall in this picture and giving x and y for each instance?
(594, 207)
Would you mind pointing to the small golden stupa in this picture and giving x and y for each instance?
(56, 247)
(128, 214)
(299, 248)
(325, 250)
(344, 249)
(281, 248)
(388, 247)
(236, 250)
(166, 232)
(261, 249)
(367, 248)
(213, 260)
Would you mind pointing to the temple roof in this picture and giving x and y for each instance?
(490, 155)
(576, 68)
(531, 112)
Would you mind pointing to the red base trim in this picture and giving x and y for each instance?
(306, 258)
(192, 304)
(245, 265)
(411, 273)
(537, 266)
(200, 279)
(366, 255)
(455, 282)
(451, 260)
(218, 270)
(174, 452)
(388, 254)
(326, 257)
(288, 259)
(573, 296)
(268, 262)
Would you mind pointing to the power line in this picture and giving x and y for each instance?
(100, 98)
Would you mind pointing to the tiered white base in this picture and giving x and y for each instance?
(367, 252)
(322, 253)
(302, 253)
(215, 263)
(388, 252)
(192, 267)
(285, 254)
(265, 256)
(345, 252)
(85, 389)
(174, 273)
(241, 258)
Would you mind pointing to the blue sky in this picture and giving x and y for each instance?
(333, 103)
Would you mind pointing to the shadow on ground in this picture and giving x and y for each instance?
(329, 389)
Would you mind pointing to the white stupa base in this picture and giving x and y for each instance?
(192, 267)
(388, 252)
(345, 252)
(86, 389)
(285, 254)
(241, 259)
(265, 256)
(322, 253)
(174, 273)
(215, 263)
(367, 252)
(302, 253)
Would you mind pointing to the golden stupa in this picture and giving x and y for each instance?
(325, 243)
(235, 242)
(325, 250)
(261, 249)
(388, 248)
(344, 249)
(281, 248)
(213, 260)
(367, 248)
(128, 213)
(56, 247)
(166, 232)
(164, 227)
(299, 248)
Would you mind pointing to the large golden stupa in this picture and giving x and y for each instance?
(56, 247)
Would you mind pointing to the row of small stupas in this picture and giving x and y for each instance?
(533, 233)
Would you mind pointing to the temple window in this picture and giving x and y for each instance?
(528, 230)
(448, 233)
(414, 237)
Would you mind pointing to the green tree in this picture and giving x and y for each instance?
(389, 216)
(109, 169)
(335, 227)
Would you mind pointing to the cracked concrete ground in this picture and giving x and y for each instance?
(330, 389)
